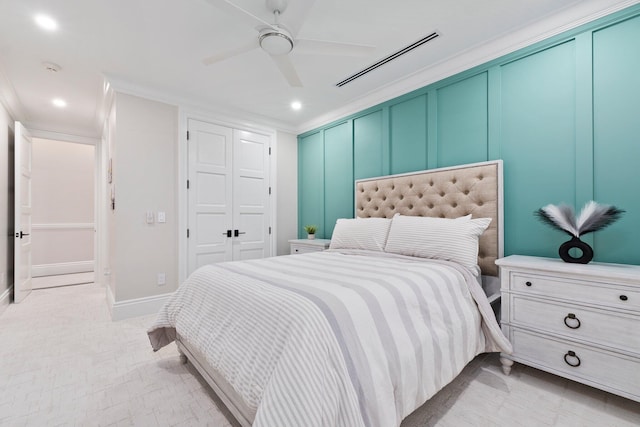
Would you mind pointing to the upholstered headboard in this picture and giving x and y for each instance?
(451, 192)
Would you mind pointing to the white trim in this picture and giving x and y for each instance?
(475, 55)
(62, 268)
(136, 307)
(64, 226)
(5, 299)
(64, 137)
(220, 112)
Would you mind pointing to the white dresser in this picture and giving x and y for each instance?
(578, 321)
(301, 246)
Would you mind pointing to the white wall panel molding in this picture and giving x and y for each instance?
(62, 268)
(135, 307)
(64, 226)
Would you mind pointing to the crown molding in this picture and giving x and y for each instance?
(65, 137)
(224, 113)
(543, 29)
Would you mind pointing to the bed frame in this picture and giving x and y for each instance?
(451, 192)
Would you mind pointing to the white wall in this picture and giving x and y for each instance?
(287, 190)
(141, 138)
(143, 145)
(6, 207)
(63, 207)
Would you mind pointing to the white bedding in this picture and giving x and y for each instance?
(333, 338)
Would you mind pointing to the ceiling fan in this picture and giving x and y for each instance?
(279, 40)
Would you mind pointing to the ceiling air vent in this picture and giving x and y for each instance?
(391, 57)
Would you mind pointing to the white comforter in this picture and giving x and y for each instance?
(331, 338)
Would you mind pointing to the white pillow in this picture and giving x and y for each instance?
(437, 238)
(364, 233)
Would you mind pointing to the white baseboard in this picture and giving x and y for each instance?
(5, 299)
(62, 268)
(121, 310)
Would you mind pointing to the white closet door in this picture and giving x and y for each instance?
(22, 221)
(210, 194)
(251, 195)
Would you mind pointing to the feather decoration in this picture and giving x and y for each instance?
(560, 217)
(593, 217)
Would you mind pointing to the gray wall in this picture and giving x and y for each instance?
(287, 190)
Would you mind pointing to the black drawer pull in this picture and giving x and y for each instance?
(528, 283)
(623, 297)
(572, 317)
(573, 355)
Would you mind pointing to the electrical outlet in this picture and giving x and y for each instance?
(149, 217)
(162, 217)
(162, 279)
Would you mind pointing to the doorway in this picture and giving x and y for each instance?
(63, 204)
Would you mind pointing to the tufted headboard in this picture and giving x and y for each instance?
(446, 193)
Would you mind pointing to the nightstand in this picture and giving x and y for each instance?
(301, 246)
(579, 321)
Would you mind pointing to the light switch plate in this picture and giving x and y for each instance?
(162, 217)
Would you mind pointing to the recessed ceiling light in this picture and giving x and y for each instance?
(46, 22)
(60, 103)
(296, 105)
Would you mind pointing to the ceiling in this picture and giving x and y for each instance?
(157, 48)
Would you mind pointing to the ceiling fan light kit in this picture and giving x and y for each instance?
(278, 40)
(275, 41)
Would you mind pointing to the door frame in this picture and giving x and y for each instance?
(99, 252)
(184, 114)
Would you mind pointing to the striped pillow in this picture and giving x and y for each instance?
(363, 233)
(437, 238)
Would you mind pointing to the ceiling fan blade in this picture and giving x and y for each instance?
(320, 47)
(239, 13)
(287, 69)
(230, 53)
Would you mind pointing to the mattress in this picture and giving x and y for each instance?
(341, 338)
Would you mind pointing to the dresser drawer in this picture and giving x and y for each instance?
(607, 328)
(302, 249)
(577, 290)
(606, 370)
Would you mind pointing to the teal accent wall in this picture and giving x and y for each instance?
(338, 175)
(563, 114)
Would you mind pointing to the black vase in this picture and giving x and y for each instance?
(587, 252)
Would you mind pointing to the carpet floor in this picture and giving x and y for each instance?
(65, 363)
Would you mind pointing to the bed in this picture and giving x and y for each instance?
(361, 334)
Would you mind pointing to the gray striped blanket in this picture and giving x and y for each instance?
(333, 338)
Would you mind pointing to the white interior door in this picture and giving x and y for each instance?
(209, 194)
(251, 195)
(22, 242)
